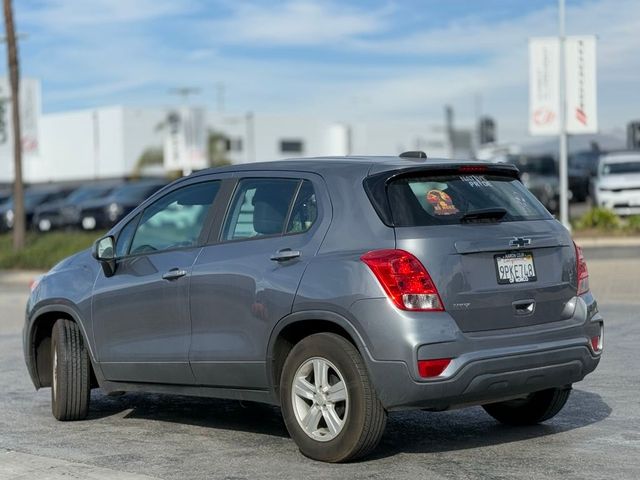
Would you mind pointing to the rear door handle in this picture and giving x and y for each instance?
(285, 254)
(174, 274)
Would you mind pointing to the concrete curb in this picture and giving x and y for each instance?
(18, 277)
(607, 242)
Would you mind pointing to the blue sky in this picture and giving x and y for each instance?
(381, 59)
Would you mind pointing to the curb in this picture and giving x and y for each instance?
(607, 242)
(18, 277)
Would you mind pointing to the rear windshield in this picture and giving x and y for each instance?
(452, 199)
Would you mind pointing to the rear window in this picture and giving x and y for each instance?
(452, 199)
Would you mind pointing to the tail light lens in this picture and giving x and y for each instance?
(583, 273)
(432, 368)
(404, 279)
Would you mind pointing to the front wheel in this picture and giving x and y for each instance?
(535, 408)
(71, 373)
(328, 403)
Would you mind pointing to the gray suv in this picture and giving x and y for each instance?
(337, 288)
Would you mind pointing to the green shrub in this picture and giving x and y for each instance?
(599, 219)
(43, 251)
(633, 224)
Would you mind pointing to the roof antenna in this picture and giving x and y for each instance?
(413, 154)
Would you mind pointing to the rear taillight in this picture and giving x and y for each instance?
(404, 279)
(583, 273)
(432, 368)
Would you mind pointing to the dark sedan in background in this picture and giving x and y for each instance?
(65, 213)
(33, 198)
(109, 210)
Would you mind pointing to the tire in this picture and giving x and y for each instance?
(535, 408)
(363, 416)
(71, 372)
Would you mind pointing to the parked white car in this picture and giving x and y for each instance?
(617, 185)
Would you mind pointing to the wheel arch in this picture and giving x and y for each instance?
(38, 341)
(298, 325)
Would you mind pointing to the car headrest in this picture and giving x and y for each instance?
(271, 203)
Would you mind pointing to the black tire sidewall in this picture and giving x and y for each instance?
(339, 352)
(58, 395)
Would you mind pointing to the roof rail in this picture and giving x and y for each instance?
(413, 154)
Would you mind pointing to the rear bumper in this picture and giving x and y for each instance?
(486, 366)
(483, 381)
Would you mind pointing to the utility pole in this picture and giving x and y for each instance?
(562, 161)
(19, 227)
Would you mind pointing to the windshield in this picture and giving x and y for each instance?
(539, 165)
(31, 199)
(84, 193)
(133, 192)
(617, 168)
(452, 199)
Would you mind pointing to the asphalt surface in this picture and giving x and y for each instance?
(137, 436)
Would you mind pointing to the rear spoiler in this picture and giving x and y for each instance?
(376, 185)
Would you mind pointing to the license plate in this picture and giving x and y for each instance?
(516, 267)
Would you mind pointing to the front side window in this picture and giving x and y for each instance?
(259, 208)
(175, 220)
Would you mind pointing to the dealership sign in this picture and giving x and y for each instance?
(30, 111)
(580, 81)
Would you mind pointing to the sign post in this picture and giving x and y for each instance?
(563, 160)
(562, 94)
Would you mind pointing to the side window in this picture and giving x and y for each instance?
(305, 209)
(175, 220)
(259, 208)
(125, 236)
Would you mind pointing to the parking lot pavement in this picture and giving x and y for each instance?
(137, 436)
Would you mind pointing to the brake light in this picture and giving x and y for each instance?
(596, 343)
(404, 279)
(432, 368)
(581, 268)
(472, 169)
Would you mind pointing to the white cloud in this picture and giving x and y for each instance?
(98, 51)
(297, 22)
(62, 14)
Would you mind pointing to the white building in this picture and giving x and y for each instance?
(108, 141)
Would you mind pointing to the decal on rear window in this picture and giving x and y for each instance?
(476, 180)
(441, 202)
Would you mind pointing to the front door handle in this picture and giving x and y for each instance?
(285, 254)
(174, 274)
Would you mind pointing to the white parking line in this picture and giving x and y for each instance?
(22, 466)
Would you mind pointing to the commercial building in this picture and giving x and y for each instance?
(107, 142)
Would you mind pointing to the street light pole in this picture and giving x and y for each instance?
(563, 163)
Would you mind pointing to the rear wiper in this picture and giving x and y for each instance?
(483, 215)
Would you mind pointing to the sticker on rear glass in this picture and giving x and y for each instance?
(476, 180)
(441, 202)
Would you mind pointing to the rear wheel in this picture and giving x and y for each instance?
(535, 408)
(71, 374)
(328, 403)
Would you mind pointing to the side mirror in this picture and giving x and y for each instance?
(105, 252)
